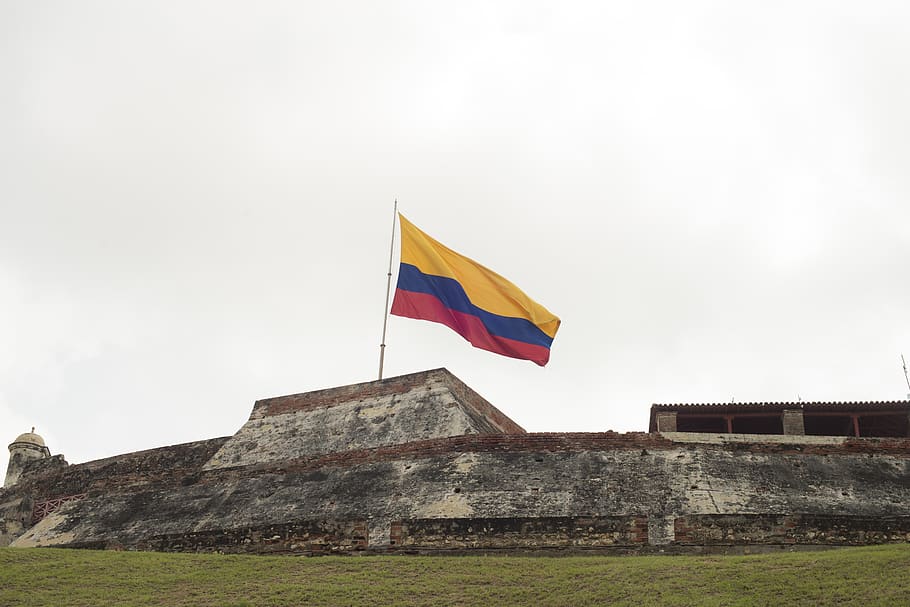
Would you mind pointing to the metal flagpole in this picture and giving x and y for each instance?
(904, 362)
(388, 289)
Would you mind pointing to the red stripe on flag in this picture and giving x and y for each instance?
(423, 306)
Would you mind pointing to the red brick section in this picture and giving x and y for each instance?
(360, 534)
(395, 533)
(301, 537)
(640, 529)
(511, 533)
(752, 529)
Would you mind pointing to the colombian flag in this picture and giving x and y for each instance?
(435, 283)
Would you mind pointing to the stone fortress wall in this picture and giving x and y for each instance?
(423, 464)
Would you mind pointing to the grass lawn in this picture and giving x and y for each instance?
(851, 576)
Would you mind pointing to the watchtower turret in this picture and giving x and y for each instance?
(26, 447)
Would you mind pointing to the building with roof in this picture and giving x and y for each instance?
(857, 419)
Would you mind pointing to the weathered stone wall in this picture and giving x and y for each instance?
(48, 481)
(605, 478)
(422, 464)
(165, 465)
(15, 516)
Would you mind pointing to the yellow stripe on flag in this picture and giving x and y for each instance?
(485, 288)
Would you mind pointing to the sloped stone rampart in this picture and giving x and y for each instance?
(428, 405)
(15, 516)
(486, 416)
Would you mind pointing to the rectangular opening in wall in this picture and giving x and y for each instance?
(700, 423)
(758, 424)
(828, 425)
(883, 425)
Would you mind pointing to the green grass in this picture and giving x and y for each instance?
(852, 576)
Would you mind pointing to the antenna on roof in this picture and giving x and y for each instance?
(904, 363)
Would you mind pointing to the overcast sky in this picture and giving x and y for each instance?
(196, 204)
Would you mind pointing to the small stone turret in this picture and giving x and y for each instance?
(26, 447)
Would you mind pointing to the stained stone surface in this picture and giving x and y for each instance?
(422, 464)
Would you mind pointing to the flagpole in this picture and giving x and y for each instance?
(388, 289)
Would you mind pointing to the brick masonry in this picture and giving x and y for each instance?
(304, 537)
(793, 422)
(441, 535)
(825, 529)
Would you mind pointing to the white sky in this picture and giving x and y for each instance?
(196, 199)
